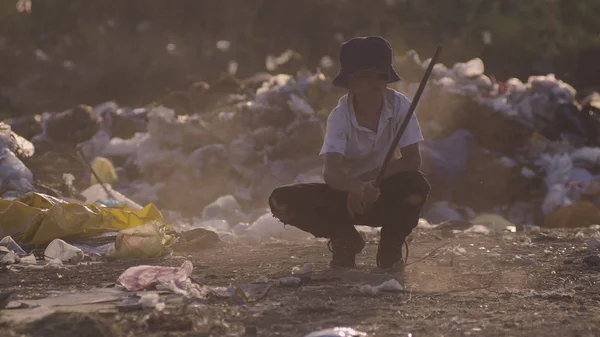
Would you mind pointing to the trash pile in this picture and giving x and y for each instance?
(209, 157)
(526, 151)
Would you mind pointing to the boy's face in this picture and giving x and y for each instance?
(368, 82)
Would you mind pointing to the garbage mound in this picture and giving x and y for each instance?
(209, 157)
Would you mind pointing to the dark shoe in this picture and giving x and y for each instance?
(389, 254)
(344, 251)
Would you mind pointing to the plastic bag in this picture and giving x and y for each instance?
(225, 208)
(148, 277)
(118, 147)
(58, 249)
(40, 221)
(269, 226)
(14, 142)
(146, 241)
(14, 175)
(442, 212)
(105, 170)
(96, 192)
(448, 158)
(11, 245)
(94, 146)
(470, 69)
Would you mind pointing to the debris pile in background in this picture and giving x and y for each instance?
(525, 151)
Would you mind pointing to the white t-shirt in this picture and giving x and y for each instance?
(364, 150)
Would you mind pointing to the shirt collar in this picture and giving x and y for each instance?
(386, 113)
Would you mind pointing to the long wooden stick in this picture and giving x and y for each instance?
(408, 116)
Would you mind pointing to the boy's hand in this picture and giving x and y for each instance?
(370, 192)
(358, 201)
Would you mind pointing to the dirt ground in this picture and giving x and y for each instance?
(502, 284)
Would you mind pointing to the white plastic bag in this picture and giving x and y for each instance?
(226, 208)
(269, 226)
(60, 250)
(94, 193)
(123, 147)
(470, 69)
(14, 175)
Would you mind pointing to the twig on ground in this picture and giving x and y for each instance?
(428, 254)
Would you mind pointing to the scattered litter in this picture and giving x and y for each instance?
(306, 269)
(245, 293)
(289, 281)
(337, 332)
(523, 260)
(152, 301)
(129, 304)
(262, 279)
(52, 264)
(593, 243)
(387, 286)
(592, 260)
(10, 258)
(460, 251)
(478, 229)
(195, 240)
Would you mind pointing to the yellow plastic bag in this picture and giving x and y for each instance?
(16, 217)
(105, 170)
(39, 200)
(37, 224)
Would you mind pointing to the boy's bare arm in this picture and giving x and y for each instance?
(410, 161)
(335, 177)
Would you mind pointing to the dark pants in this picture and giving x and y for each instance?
(320, 210)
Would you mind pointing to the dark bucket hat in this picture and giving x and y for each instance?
(365, 53)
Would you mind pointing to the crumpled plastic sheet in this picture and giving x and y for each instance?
(37, 219)
(146, 277)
